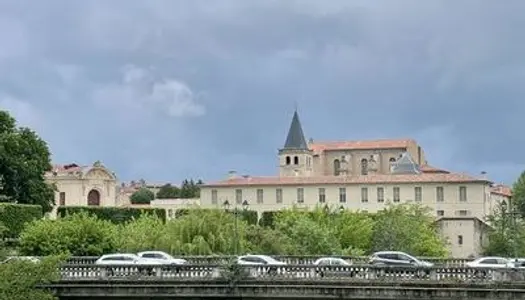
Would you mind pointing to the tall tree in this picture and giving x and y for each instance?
(24, 160)
(518, 194)
(507, 237)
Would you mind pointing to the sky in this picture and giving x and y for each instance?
(170, 89)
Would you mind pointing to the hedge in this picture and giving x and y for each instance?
(15, 216)
(250, 216)
(267, 219)
(115, 215)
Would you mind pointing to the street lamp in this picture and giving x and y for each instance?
(245, 206)
(341, 209)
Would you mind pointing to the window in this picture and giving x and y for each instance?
(300, 195)
(460, 240)
(279, 195)
(440, 196)
(462, 193)
(170, 213)
(440, 213)
(337, 167)
(391, 162)
(308, 161)
(397, 194)
(62, 197)
(342, 195)
(288, 160)
(364, 166)
(260, 196)
(380, 194)
(295, 160)
(322, 195)
(238, 196)
(463, 213)
(418, 194)
(364, 194)
(214, 197)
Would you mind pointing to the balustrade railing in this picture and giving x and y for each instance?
(78, 272)
(289, 259)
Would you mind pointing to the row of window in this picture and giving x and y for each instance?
(458, 213)
(396, 193)
(288, 160)
(364, 166)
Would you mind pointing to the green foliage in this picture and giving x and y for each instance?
(15, 216)
(168, 191)
(24, 159)
(20, 278)
(408, 228)
(142, 196)
(78, 235)
(218, 232)
(507, 237)
(518, 194)
(267, 219)
(190, 189)
(116, 215)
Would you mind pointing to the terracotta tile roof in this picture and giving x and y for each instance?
(431, 169)
(360, 145)
(66, 168)
(501, 189)
(358, 179)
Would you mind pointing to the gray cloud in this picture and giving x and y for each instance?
(447, 73)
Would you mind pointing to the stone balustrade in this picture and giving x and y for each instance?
(289, 259)
(306, 273)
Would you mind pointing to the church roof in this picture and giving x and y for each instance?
(405, 165)
(320, 146)
(295, 138)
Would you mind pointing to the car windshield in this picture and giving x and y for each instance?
(269, 259)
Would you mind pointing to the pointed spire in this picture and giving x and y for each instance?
(295, 138)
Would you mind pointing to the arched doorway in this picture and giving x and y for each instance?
(93, 198)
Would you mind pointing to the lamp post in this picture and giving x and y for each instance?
(226, 206)
(341, 209)
(509, 211)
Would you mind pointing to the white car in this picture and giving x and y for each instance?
(115, 261)
(331, 261)
(161, 257)
(490, 262)
(261, 260)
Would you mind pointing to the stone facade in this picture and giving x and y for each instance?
(366, 175)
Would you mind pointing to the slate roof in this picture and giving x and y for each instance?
(295, 139)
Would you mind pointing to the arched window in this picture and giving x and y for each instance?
(364, 166)
(288, 160)
(337, 167)
(392, 160)
(295, 160)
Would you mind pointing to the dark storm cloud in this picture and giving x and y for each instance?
(169, 89)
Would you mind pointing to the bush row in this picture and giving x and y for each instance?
(14, 217)
(116, 215)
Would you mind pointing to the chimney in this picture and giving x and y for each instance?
(232, 175)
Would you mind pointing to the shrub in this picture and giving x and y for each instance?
(267, 219)
(78, 235)
(15, 216)
(116, 215)
(142, 196)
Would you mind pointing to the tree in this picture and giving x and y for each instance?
(168, 191)
(507, 236)
(78, 235)
(189, 189)
(20, 278)
(24, 160)
(142, 196)
(407, 228)
(518, 194)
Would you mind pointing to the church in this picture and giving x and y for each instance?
(365, 175)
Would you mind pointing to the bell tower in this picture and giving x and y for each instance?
(295, 158)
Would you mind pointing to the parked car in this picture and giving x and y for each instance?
(397, 258)
(332, 263)
(260, 260)
(113, 261)
(161, 257)
(490, 262)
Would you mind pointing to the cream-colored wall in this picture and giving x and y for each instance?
(473, 232)
(476, 204)
(172, 205)
(304, 168)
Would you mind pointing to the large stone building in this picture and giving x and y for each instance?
(365, 175)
